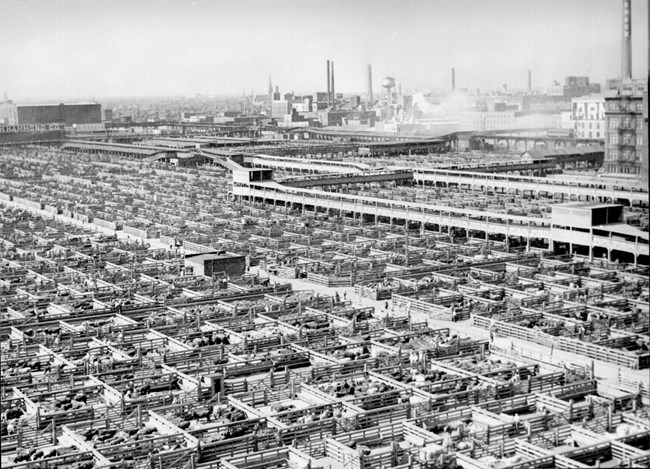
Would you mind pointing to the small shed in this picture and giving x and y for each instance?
(211, 263)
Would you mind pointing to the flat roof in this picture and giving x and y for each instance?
(214, 255)
(589, 205)
(252, 170)
(393, 143)
(58, 104)
(590, 98)
(624, 229)
(220, 152)
(545, 152)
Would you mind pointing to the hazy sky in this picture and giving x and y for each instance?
(100, 48)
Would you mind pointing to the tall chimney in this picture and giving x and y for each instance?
(333, 91)
(329, 92)
(626, 59)
(530, 81)
(453, 79)
(370, 84)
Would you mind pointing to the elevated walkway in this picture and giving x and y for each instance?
(475, 220)
(565, 187)
(352, 178)
(302, 164)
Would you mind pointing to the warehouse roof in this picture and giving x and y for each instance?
(554, 152)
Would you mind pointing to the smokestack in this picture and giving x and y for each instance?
(626, 59)
(453, 79)
(329, 92)
(370, 84)
(530, 81)
(333, 92)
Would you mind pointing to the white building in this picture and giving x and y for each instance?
(487, 120)
(588, 116)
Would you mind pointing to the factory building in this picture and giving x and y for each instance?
(574, 87)
(68, 114)
(487, 120)
(338, 117)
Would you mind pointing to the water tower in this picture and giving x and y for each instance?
(389, 83)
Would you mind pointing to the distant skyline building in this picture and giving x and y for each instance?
(8, 112)
(574, 87)
(280, 108)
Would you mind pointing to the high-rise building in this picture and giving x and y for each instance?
(626, 139)
(626, 114)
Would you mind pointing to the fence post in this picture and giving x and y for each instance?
(609, 418)
(139, 415)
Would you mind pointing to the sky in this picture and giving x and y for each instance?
(84, 49)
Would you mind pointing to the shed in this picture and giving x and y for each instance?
(211, 263)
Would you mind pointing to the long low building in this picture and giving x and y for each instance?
(404, 147)
(116, 149)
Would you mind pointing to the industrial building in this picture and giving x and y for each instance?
(68, 114)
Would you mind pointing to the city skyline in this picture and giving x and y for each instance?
(77, 50)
